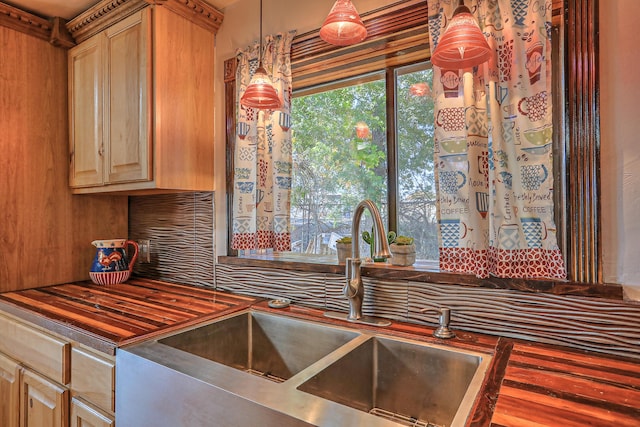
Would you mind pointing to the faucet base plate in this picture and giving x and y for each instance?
(365, 320)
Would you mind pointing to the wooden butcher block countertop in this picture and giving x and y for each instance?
(106, 317)
(527, 384)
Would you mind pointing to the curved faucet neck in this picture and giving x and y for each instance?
(381, 248)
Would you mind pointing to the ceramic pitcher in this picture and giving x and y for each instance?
(110, 264)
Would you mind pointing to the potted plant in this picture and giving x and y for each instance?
(403, 250)
(370, 239)
(343, 248)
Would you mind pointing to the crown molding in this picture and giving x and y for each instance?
(108, 12)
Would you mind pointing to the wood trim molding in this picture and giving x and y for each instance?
(397, 35)
(583, 140)
(26, 22)
(101, 16)
(53, 31)
(197, 11)
(230, 66)
(60, 36)
(397, 17)
(108, 12)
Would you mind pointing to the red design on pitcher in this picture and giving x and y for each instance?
(107, 260)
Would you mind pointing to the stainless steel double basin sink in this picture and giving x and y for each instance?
(258, 368)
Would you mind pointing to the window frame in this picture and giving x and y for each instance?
(578, 108)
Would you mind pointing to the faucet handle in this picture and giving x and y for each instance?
(443, 330)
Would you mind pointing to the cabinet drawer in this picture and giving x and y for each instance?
(44, 353)
(93, 378)
(83, 414)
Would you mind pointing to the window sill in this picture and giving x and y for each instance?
(423, 272)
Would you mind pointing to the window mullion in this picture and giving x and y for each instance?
(392, 149)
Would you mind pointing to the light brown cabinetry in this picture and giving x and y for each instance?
(43, 403)
(9, 391)
(29, 399)
(109, 102)
(26, 356)
(85, 415)
(141, 105)
(47, 380)
(93, 377)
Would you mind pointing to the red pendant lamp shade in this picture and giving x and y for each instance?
(343, 26)
(260, 93)
(462, 45)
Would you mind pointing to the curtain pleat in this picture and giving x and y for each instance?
(493, 133)
(263, 154)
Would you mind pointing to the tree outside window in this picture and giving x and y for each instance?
(341, 157)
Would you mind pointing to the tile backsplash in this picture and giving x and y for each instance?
(180, 228)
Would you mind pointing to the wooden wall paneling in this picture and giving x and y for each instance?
(45, 232)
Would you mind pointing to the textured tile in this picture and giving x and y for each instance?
(180, 227)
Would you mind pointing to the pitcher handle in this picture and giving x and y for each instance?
(133, 258)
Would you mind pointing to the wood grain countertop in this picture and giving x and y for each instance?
(527, 384)
(106, 317)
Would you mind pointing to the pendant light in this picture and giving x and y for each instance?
(343, 26)
(462, 45)
(260, 93)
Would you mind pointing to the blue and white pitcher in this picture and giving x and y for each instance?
(110, 265)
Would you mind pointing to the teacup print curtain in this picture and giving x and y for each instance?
(263, 156)
(493, 133)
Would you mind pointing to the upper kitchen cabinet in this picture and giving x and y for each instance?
(141, 97)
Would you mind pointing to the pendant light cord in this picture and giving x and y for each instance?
(260, 51)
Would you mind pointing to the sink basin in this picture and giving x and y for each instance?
(321, 375)
(406, 382)
(270, 346)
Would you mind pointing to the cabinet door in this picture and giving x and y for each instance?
(85, 112)
(83, 415)
(127, 87)
(9, 392)
(43, 402)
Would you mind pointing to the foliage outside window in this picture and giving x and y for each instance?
(341, 148)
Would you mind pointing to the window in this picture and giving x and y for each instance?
(341, 146)
(399, 37)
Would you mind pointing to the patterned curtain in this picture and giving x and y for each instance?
(262, 175)
(493, 136)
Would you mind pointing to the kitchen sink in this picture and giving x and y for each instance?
(404, 381)
(321, 375)
(270, 346)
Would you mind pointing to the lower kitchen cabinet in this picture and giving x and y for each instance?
(9, 392)
(85, 415)
(29, 399)
(43, 402)
(47, 380)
